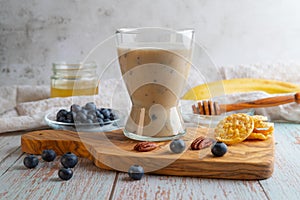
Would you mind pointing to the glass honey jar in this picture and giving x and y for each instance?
(74, 79)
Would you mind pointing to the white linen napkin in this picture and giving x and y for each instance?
(24, 107)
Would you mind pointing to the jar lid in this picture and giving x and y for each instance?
(73, 66)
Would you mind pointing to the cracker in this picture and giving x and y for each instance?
(262, 133)
(259, 136)
(234, 128)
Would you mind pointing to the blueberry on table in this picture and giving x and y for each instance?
(219, 149)
(31, 161)
(177, 146)
(69, 160)
(136, 172)
(48, 155)
(65, 174)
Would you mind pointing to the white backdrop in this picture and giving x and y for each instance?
(34, 33)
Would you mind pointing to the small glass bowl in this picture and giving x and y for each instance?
(77, 127)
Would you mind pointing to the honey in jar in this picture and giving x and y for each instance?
(74, 80)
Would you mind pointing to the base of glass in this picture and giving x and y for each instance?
(151, 139)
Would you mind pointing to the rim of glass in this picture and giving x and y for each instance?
(137, 30)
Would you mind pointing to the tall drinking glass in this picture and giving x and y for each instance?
(155, 64)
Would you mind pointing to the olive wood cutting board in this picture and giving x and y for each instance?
(113, 151)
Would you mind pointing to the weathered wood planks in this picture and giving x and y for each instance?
(285, 181)
(90, 182)
(42, 182)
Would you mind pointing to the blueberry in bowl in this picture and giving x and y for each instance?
(85, 118)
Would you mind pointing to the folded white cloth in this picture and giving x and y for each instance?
(24, 107)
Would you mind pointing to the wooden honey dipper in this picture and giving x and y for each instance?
(213, 108)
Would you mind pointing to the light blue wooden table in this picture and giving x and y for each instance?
(90, 182)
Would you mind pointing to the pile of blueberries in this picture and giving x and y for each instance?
(87, 114)
(68, 161)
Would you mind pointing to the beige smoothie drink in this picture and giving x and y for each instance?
(155, 79)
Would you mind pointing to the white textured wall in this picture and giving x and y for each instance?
(35, 33)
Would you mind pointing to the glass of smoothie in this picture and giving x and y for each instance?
(155, 64)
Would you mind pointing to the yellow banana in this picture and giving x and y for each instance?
(208, 90)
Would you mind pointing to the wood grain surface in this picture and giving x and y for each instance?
(112, 150)
(91, 182)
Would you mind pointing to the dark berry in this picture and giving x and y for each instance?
(84, 111)
(69, 160)
(61, 119)
(90, 106)
(105, 112)
(31, 161)
(61, 113)
(112, 116)
(136, 172)
(69, 117)
(68, 121)
(219, 149)
(99, 114)
(100, 121)
(91, 115)
(80, 117)
(88, 121)
(75, 108)
(177, 146)
(106, 120)
(48, 155)
(73, 114)
(65, 173)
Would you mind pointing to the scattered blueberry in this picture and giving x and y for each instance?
(69, 160)
(31, 161)
(65, 173)
(136, 172)
(177, 146)
(48, 155)
(219, 149)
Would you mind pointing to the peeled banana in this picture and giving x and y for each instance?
(208, 90)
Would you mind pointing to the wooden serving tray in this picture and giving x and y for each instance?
(113, 151)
